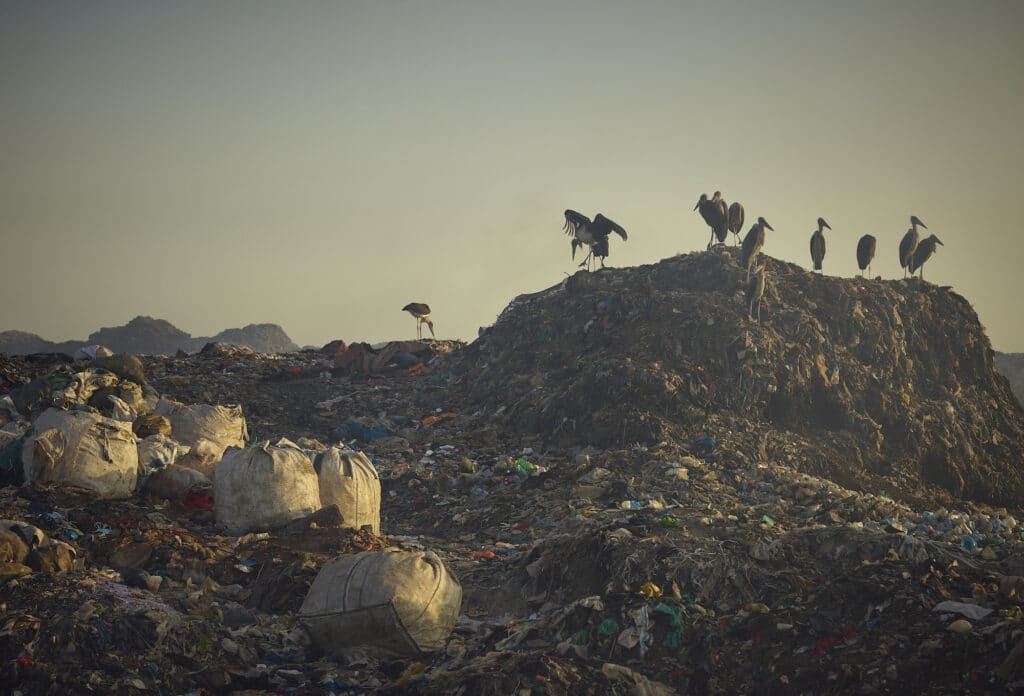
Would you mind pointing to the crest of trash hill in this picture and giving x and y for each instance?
(888, 384)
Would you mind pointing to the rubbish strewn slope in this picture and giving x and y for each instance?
(855, 379)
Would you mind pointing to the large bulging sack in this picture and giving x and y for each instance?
(86, 450)
(264, 486)
(349, 480)
(208, 430)
(400, 602)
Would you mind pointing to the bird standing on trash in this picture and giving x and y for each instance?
(753, 243)
(755, 291)
(736, 219)
(593, 234)
(421, 311)
(908, 245)
(818, 244)
(865, 252)
(923, 252)
(716, 213)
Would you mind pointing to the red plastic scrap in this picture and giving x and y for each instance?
(199, 501)
(488, 555)
(25, 661)
(525, 524)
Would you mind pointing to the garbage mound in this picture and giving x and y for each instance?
(852, 378)
(1012, 365)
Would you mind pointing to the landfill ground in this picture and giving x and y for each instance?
(649, 519)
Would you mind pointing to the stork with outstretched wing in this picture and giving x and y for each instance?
(592, 234)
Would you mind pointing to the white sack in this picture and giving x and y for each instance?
(86, 450)
(208, 430)
(264, 486)
(403, 602)
(349, 480)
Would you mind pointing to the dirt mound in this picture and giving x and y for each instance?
(856, 379)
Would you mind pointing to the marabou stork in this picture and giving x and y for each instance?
(593, 234)
(908, 245)
(818, 244)
(716, 213)
(924, 251)
(865, 252)
(421, 311)
(753, 243)
(736, 219)
(755, 291)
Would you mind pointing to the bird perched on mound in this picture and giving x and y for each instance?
(755, 291)
(818, 244)
(421, 311)
(716, 213)
(593, 234)
(753, 243)
(736, 219)
(923, 252)
(865, 252)
(908, 245)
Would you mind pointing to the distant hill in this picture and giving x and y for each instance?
(149, 336)
(1011, 365)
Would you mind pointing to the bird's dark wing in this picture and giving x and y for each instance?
(606, 226)
(574, 221)
(907, 247)
(736, 217)
(865, 251)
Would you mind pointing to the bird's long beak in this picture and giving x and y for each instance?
(430, 325)
(922, 224)
(769, 226)
(575, 243)
(826, 224)
(939, 241)
(696, 206)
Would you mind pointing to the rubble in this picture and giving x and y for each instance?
(625, 503)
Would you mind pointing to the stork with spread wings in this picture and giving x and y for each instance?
(591, 233)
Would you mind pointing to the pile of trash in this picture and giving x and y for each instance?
(624, 486)
(853, 379)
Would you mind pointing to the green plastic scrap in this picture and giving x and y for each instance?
(523, 466)
(608, 627)
(768, 520)
(668, 521)
(674, 639)
(582, 638)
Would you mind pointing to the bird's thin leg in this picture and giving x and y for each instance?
(759, 311)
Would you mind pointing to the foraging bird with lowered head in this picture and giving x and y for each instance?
(818, 244)
(924, 251)
(716, 214)
(753, 243)
(755, 291)
(908, 245)
(736, 219)
(421, 311)
(593, 234)
(865, 252)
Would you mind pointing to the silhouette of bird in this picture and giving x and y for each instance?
(753, 243)
(736, 219)
(865, 252)
(755, 291)
(924, 251)
(593, 234)
(909, 243)
(818, 244)
(715, 214)
(421, 311)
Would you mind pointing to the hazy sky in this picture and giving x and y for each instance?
(321, 164)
